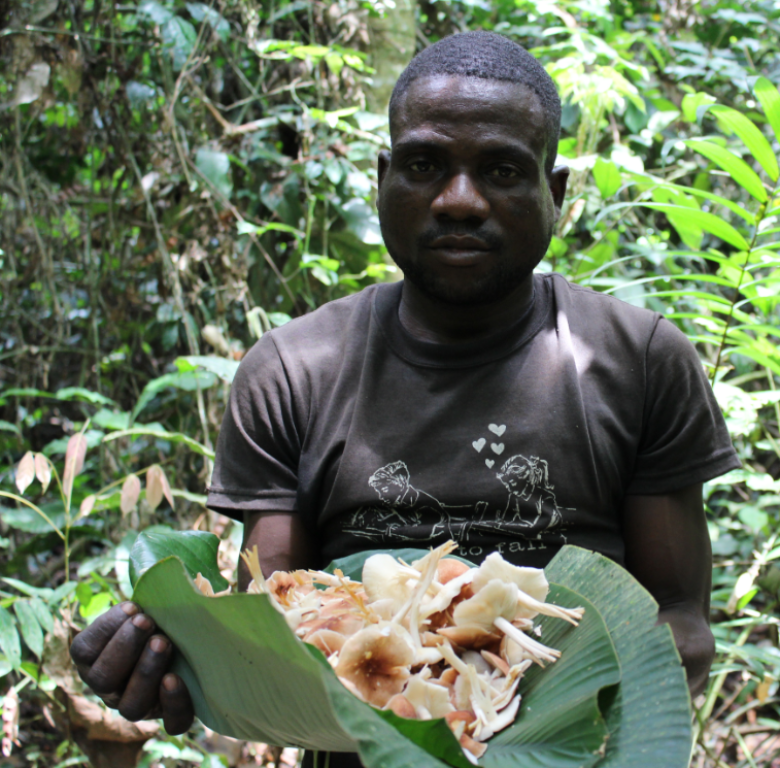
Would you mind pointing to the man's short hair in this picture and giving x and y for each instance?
(489, 56)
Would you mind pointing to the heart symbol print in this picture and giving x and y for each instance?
(497, 449)
(489, 463)
(496, 430)
(479, 444)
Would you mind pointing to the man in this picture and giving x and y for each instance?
(603, 408)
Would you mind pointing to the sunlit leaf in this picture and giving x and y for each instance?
(25, 472)
(131, 490)
(98, 605)
(769, 98)
(607, 177)
(709, 222)
(221, 366)
(753, 139)
(735, 166)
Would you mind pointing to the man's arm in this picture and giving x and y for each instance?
(668, 551)
(283, 544)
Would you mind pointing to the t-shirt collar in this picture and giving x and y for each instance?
(461, 355)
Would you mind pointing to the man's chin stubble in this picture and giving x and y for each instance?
(485, 292)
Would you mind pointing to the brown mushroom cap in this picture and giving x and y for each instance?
(449, 569)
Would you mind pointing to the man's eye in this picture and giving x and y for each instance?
(504, 172)
(421, 166)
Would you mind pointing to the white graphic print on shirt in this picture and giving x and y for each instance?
(530, 519)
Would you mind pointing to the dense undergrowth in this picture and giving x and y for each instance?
(177, 178)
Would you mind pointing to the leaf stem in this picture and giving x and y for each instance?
(35, 508)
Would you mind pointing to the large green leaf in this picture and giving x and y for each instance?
(251, 678)
(752, 137)
(649, 718)
(242, 658)
(769, 98)
(709, 222)
(559, 723)
(197, 551)
(735, 166)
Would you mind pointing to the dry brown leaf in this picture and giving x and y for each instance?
(762, 690)
(57, 663)
(104, 725)
(10, 721)
(215, 337)
(154, 486)
(131, 490)
(87, 505)
(25, 472)
(75, 454)
(166, 488)
(42, 470)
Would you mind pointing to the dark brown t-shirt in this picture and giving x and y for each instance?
(518, 443)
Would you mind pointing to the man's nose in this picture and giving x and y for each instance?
(460, 200)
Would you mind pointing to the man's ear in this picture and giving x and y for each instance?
(557, 180)
(382, 166)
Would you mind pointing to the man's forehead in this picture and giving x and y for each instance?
(455, 99)
(459, 91)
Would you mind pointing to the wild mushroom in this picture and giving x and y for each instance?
(377, 661)
(532, 586)
(495, 605)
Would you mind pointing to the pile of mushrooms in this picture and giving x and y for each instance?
(434, 639)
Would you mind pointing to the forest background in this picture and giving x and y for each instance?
(176, 178)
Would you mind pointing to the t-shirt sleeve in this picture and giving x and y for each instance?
(256, 463)
(684, 436)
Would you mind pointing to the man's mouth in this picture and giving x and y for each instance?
(460, 251)
(459, 243)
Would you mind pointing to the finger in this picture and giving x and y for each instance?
(111, 700)
(143, 688)
(178, 712)
(114, 666)
(90, 643)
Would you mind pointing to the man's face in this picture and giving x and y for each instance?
(466, 208)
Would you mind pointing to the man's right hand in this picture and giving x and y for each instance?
(123, 661)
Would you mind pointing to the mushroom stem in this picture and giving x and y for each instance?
(537, 650)
(572, 615)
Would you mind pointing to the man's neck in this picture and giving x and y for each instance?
(430, 320)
